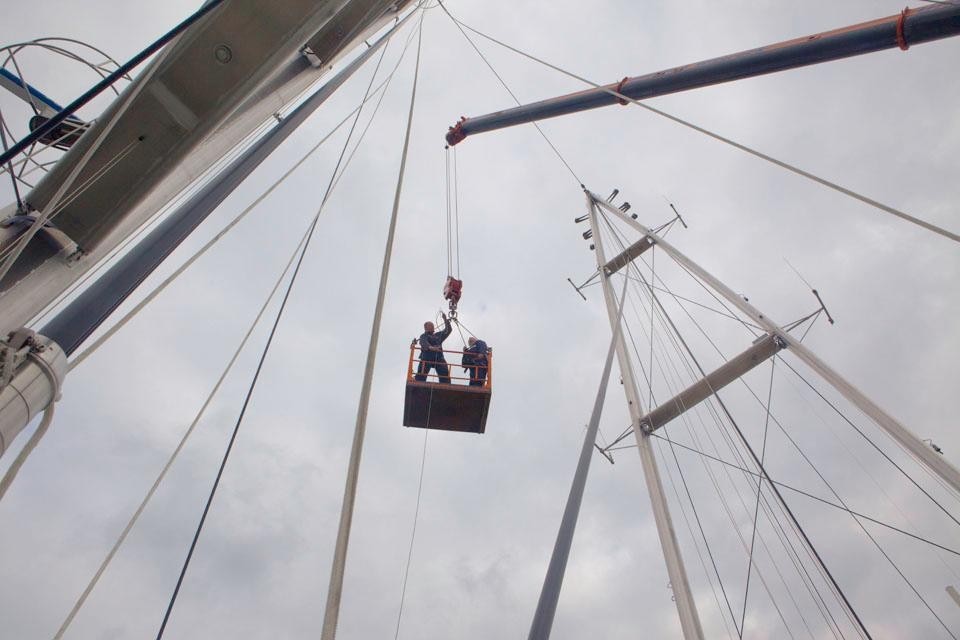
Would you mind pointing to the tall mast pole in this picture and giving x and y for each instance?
(906, 438)
(686, 608)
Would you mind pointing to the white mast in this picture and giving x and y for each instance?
(689, 619)
(934, 461)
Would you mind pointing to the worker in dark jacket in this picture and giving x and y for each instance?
(431, 352)
(475, 361)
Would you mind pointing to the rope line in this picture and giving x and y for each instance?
(716, 136)
(263, 356)
(851, 612)
(338, 566)
(223, 232)
(413, 533)
(756, 509)
(176, 452)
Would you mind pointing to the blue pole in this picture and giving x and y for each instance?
(912, 26)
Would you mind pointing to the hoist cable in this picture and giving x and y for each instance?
(512, 95)
(456, 210)
(263, 356)
(446, 158)
(716, 136)
(338, 566)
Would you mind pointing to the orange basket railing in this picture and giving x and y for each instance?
(413, 368)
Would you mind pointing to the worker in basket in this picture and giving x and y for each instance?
(475, 361)
(431, 352)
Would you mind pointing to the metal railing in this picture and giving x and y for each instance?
(414, 365)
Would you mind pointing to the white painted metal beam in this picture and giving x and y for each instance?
(934, 461)
(686, 606)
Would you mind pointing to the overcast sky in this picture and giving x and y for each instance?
(885, 125)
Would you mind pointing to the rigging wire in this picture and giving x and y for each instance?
(872, 443)
(148, 224)
(785, 507)
(335, 589)
(176, 452)
(413, 533)
(456, 210)
(804, 493)
(512, 94)
(223, 232)
(210, 397)
(720, 494)
(756, 508)
(729, 513)
(836, 495)
(696, 545)
(263, 356)
(716, 136)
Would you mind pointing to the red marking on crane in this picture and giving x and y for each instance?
(455, 133)
(901, 38)
(619, 89)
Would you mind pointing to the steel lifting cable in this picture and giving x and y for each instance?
(716, 136)
(456, 211)
(453, 211)
(449, 242)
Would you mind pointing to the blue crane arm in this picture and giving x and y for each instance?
(912, 26)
